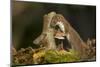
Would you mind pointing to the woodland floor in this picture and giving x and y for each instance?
(29, 55)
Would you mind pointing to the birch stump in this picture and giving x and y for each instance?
(46, 38)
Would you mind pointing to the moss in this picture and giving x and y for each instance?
(42, 56)
(52, 56)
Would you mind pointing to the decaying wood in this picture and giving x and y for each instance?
(47, 39)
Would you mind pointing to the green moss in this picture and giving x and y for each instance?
(53, 56)
(28, 56)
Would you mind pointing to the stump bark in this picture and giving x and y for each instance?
(46, 38)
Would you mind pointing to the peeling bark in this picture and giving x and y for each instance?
(46, 37)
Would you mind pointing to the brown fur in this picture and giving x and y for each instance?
(75, 40)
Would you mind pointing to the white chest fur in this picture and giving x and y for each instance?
(61, 25)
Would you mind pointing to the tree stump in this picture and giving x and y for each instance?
(47, 36)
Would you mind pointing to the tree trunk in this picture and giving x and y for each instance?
(46, 38)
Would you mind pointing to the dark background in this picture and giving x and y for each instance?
(27, 20)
